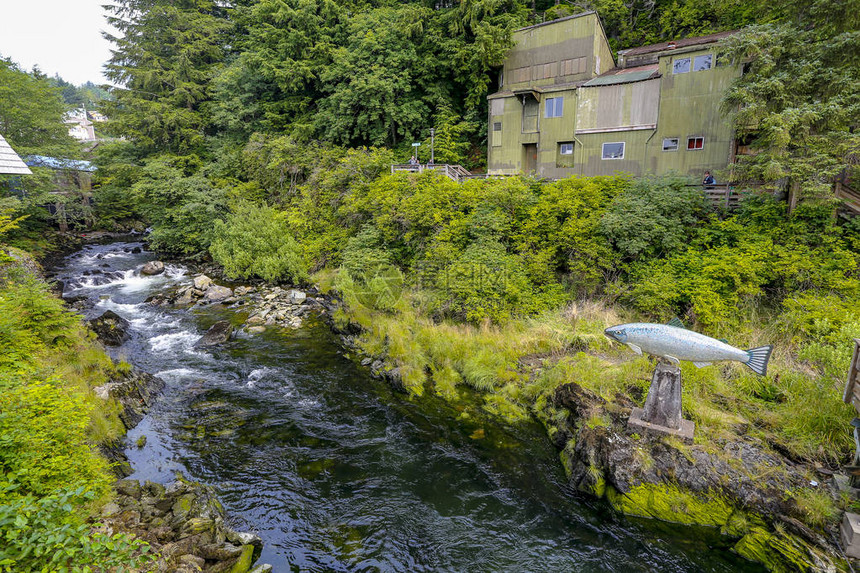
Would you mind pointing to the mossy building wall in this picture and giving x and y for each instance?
(638, 109)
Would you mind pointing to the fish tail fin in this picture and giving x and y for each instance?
(758, 358)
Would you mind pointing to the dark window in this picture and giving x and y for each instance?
(613, 150)
(702, 63)
(670, 144)
(694, 143)
(497, 126)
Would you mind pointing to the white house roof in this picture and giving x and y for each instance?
(10, 163)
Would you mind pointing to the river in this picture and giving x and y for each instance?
(336, 472)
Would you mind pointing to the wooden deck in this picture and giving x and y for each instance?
(850, 197)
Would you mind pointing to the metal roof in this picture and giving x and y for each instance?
(57, 163)
(677, 44)
(624, 76)
(10, 163)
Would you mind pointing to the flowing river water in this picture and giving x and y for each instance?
(336, 472)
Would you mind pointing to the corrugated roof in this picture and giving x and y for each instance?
(557, 20)
(682, 43)
(10, 163)
(624, 76)
(58, 163)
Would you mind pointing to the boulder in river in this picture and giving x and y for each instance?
(202, 282)
(152, 268)
(111, 328)
(216, 293)
(218, 333)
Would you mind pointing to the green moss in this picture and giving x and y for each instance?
(778, 551)
(670, 503)
(245, 561)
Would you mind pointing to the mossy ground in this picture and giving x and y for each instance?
(517, 367)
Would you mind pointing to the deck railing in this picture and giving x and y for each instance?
(456, 173)
(728, 196)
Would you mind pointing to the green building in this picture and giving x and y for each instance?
(565, 107)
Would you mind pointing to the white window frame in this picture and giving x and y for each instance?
(677, 141)
(692, 137)
(561, 148)
(554, 110)
(677, 61)
(710, 59)
(603, 150)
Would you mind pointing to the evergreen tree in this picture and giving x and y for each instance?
(167, 53)
(799, 101)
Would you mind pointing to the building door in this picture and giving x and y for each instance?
(529, 158)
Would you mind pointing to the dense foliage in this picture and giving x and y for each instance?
(51, 475)
(798, 105)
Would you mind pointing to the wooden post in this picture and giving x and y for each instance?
(793, 196)
(662, 414)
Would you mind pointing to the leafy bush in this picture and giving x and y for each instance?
(254, 241)
(48, 534)
(43, 437)
(654, 217)
(181, 207)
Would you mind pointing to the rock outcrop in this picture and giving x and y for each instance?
(740, 487)
(110, 328)
(136, 391)
(218, 333)
(271, 306)
(152, 268)
(184, 523)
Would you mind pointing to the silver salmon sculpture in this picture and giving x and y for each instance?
(675, 343)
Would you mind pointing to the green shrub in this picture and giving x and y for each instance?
(49, 534)
(180, 205)
(43, 437)
(254, 241)
(654, 217)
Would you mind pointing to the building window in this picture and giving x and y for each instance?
(670, 144)
(497, 126)
(694, 143)
(497, 133)
(702, 63)
(680, 65)
(554, 107)
(613, 150)
(565, 148)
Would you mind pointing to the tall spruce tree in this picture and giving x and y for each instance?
(165, 57)
(798, 103)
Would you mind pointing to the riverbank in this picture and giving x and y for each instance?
(778, 511)
(62, 373)
(745, 474)
(248, 417)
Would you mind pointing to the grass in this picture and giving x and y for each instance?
(518, 366)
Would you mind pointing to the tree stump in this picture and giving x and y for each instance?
(662, 414)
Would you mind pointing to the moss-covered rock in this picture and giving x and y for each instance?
(668, 502)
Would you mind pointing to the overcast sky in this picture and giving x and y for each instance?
(60, 36)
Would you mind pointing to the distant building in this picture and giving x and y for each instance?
(72, 178)
(80, 123)
(10, 162)
(565, 107)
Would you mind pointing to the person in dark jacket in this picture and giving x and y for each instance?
(708, 182)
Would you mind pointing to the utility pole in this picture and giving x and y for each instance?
(432, 146)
